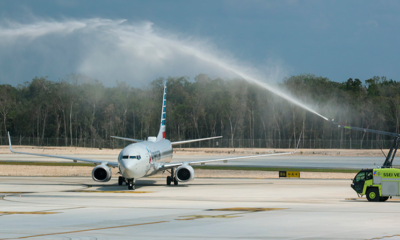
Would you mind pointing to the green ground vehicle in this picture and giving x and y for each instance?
(378, 184)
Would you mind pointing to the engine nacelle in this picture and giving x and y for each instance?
(184, 173)
(101, 173)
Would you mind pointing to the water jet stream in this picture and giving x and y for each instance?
(249, 78)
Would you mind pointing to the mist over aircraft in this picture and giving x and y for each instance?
(146, 158)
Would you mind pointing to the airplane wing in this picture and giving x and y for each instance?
(193, 140)
(110, 164)
(127, 139)
(174, 165)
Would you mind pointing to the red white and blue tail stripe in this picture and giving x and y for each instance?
(161, 133)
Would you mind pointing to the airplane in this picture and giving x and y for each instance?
(145, 158)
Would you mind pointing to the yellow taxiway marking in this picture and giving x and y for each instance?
(192, 217)
(94, 191)
(396, 235)
(232, 215)
(28, 212)
(354, 199)
(85, 230)
(244, 209)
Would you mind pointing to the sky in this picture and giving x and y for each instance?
(139, 41)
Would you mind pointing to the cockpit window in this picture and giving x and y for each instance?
(138, 157)
(132, 157)
(125, 156)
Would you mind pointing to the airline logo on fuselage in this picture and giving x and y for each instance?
(156, 155)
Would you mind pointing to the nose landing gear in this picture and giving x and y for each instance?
(172, 178)
(131, 183)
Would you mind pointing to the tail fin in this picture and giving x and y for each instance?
(161, 133)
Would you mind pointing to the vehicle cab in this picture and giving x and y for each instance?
(360, 179)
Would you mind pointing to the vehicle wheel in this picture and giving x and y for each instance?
(169, 180)
(383, 199)
(373, 195)
(120, 180)
(175, 181)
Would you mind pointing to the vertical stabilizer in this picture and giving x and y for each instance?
(161, 133)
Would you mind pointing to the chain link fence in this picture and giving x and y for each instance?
(216, 143)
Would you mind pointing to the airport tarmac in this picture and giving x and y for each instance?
(78, 208)
(272, 161)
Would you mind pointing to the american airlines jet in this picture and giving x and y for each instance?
(145, 158)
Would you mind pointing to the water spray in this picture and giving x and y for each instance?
(138, 43)
(260, 83)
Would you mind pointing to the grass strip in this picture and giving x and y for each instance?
(278, 169)
(196, 167)
(47, 163)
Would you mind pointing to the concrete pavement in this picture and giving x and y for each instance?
(78, 208)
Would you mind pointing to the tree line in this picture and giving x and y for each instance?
(79, 107)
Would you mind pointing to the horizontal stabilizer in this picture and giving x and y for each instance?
(127, 139)
(194, 140)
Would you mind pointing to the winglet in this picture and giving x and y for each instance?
(298, 143)
(9, 141)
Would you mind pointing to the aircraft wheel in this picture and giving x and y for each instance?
(169, 180)
(373, 194)
(121, 180)
(131, 185)
(383, 199)
(175, 181)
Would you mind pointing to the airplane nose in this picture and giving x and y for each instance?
(128, 166)
(127, 163)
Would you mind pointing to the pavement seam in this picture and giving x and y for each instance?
(85, 230)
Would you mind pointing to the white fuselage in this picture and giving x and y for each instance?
(144, 158)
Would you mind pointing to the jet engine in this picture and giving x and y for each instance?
(101, 173)
(184, 173)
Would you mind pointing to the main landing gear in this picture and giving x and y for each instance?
(121, 180)
(172, 178)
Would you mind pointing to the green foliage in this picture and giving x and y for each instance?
(79, 107)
